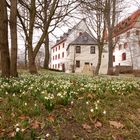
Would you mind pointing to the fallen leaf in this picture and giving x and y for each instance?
(13, 114)
(119, 137)
(11, 134)
(116, 124)
(23, 117)
(86, 126)
(51, 118)
(2, 131)
(90, 96)
(98, 124)
(35, 124)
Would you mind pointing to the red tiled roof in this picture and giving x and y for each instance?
(59, 42)
(126, 24)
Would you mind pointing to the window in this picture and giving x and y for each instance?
(77, 63)
(137, 32)
(80, 33)
(78, 49)
(113, 58)
(125, 45)
(55, 66)
(128, 34)
(58, 56)
(120, 47)
(63, 45)
(62, 54)
(58, 66)
(86, 63)
(55, 57)
(123, 56)
(92, 49)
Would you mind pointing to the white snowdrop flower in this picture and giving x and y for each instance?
(98, 101)
(96, 107)
(87, 103)
(17, 129)
(6, 93)
(35, 104)
(47, 135)
(72, 102)
(91, 110)
(25, 104)
(17, 125)
(14, 94)
(46, 97)
(104, 112)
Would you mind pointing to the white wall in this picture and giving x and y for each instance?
(133, 50)
(86, 56)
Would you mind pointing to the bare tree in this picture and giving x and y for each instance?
(93, 11)
(38, 18)
(4, 48)
(63, 10)
(113, 9)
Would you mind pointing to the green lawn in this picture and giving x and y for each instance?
(57, 106)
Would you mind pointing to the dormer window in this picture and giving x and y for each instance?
(80, 33)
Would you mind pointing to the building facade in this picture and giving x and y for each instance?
(127, 40)
(77, 51)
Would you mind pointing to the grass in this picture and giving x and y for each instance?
(57, 106)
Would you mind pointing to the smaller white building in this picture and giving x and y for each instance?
(77, 51)
(82, 54)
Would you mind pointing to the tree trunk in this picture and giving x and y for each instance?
(32, 64)
(46, 60)
(110, 54)
(13, 28)
(25, 55)
(4, 48)
(99, 60)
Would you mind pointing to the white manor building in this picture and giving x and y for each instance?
(127, 38)
(77, 51)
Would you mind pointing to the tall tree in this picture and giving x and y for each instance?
(13, 29)
(94, 13)
(110, 16)
(113, 10)
(4, 48)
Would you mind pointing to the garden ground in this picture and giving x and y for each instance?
(57, 106)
